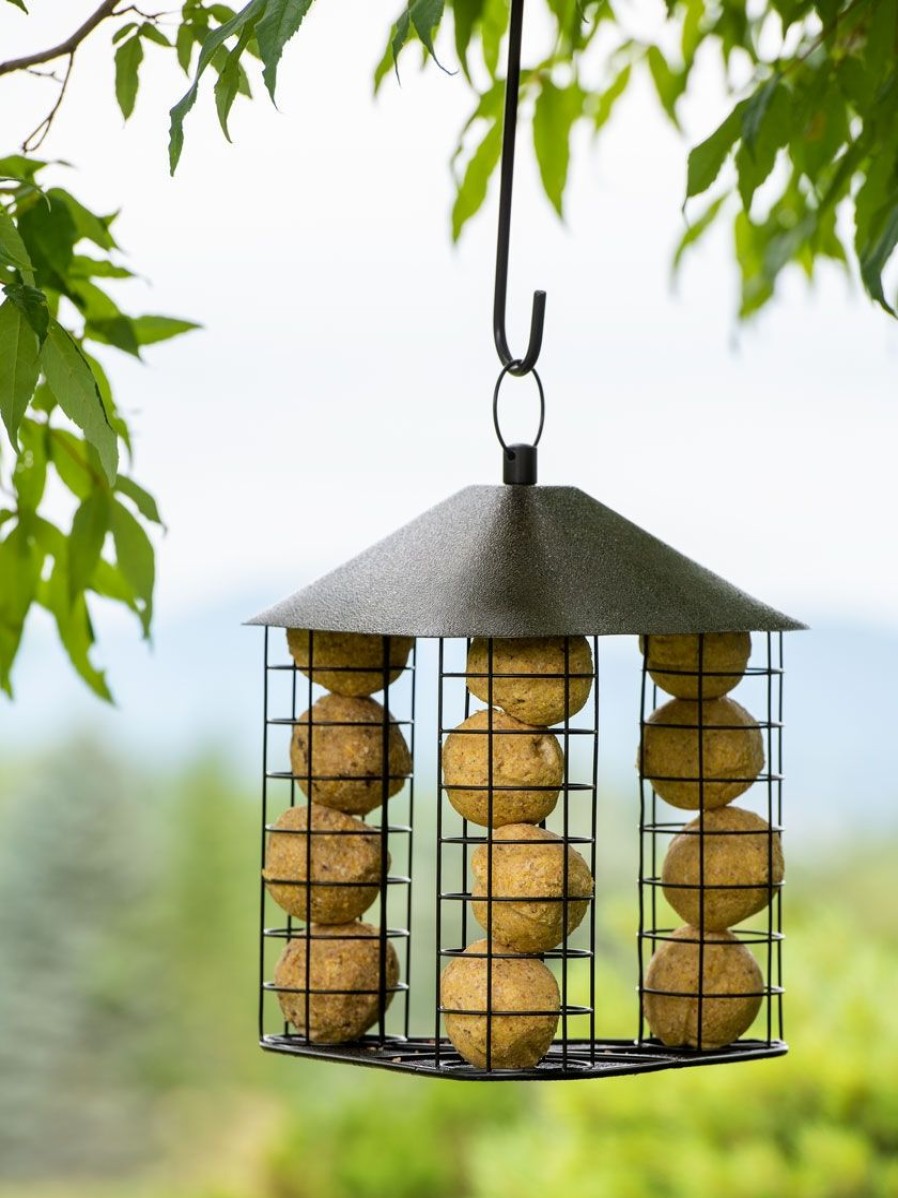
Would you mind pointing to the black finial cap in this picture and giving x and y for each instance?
(519, 465)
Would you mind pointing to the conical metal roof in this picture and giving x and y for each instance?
(510, 561)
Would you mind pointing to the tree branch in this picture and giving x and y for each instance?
(69, 46)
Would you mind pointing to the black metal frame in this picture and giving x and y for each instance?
(390, 1045)
(384, 823)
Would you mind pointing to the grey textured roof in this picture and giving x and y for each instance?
(511, 561)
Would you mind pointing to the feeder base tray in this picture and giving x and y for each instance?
(581, 1058)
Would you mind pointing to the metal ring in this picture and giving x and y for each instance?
(542, 402)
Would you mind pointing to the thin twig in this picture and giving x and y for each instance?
(69, 46)
(35, 139)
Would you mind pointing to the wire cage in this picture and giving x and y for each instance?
(506, 856)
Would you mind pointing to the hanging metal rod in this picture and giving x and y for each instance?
(524, 365)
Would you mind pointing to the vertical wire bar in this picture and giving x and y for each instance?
(594, 806)
(308, 921)
(640, 938)
(701, 841)
(779, 821)
(384, 852)
(264, 838)
(489, 861)
(310, 792)
(411, 833)
(438, 919)
(465, 832)
(653, 839)
(565, 869)
(770, 772)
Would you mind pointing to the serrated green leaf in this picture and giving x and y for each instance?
(12, 248)
(142, 500)
(86, 540)
(135, 558)
(151, 329)
(75, 389)
(707, 158)
(248, 15)
(30, 475)
(426, 17)
(554, 114)
(19, 367)
(755, 159)
(32, 303)
(228, 84)
(876, 252)
(473, 187)
(128, 58)
(281, 20)
(696, 229)
(76, 462)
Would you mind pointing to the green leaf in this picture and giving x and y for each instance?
(86, 540)
(609, 97)
(75, 389)
(282, 18)
(32, 303)
(152, 33)
(876, 253)
(85, 267)
(473, 187)
(227, 84)
(17, 166)
(142, 500)
(151, 329)
(554, 114)
(184, 40)
(668, 84)
(76, 462)
(109, 582)
(21, 559)
(247, 16)
(30, 475)
(128, 58)
(771, 131)
(465, 15)
(87, 224)
(18, 4)
(74, 626)
(707, 158)
(19, 368)
(114, 330)
(755, 110)
(696, 229)
(136, 559)
(12, 248)
(122, 32)
(426, 16)
(49, 233)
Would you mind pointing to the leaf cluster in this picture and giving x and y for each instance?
(63, 429)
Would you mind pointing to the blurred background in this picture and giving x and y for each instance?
(342, 385)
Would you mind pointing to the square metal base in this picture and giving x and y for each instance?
(579, 1059)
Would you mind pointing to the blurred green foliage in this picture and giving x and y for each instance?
(129, 1068)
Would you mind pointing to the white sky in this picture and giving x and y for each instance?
(344, 380)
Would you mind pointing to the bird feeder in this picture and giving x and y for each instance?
(480, 624)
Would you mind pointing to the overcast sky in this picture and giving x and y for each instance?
(343, 381)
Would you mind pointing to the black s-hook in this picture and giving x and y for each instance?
(516, 366)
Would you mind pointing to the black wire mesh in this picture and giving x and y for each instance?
(707, 991)
(464, 907)
(389, 825)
